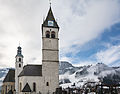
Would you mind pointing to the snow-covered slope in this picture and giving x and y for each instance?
(69, 74)
(82, 75)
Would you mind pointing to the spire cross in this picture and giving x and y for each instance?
(19, 43)
(50, 2)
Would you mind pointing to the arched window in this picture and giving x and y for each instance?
(19, 65)
(52, 34)
(47, 84)
(47, 34)
(34, 86)
(11, 87)
(19, 59)
(20, 87)
(6, 88)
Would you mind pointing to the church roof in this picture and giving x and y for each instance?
(50, 17)
(26, 88)
(31, 70)
(10, 77)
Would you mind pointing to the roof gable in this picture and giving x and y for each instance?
(10, 77)
(26, 88)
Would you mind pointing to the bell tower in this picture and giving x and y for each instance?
(50, 53)
(18, 66)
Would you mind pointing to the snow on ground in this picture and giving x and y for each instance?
(87, 74)
(66, 85)
(107, 72)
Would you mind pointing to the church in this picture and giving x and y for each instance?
(37, 79)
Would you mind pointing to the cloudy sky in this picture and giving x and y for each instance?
(89, 30)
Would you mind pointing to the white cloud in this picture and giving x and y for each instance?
(109, 56)
(84, 21)
(64, 58)
(79, 29)
(80, 21)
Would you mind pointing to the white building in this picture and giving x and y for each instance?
(40, 79)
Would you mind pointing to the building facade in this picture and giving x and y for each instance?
(40, 79)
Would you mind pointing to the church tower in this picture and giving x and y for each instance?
(18, 67)
(50, 53)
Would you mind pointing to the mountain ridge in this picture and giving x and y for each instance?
(70, 74)
(90, 73)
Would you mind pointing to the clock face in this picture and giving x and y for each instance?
(50, 23)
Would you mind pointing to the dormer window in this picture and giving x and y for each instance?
(47, 34)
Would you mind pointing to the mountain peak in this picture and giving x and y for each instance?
(65, 64)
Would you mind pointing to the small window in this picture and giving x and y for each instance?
(47, 34)
(47, 84)
(52, 34)
(34, 87)
(20, 87)
(20, 65)
(19, 59)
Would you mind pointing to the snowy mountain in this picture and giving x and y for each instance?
(92, 73)
(69, 74)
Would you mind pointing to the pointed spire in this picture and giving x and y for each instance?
(50, 15)
(50, 18)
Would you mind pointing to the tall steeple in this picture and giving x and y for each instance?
(50, 20)
(50, 53)
(18, 66)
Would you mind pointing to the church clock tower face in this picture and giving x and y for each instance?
(50, 23)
